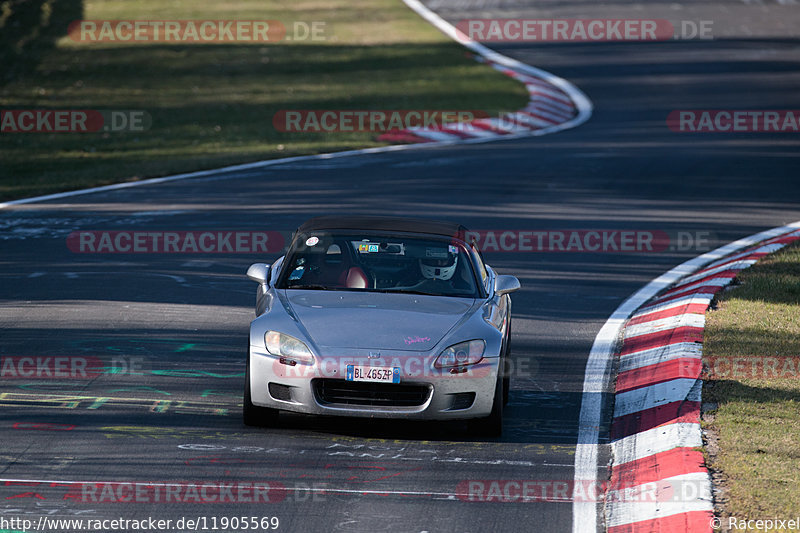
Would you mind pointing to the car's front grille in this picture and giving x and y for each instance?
(338, 391)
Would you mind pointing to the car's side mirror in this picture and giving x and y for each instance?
(506, 284)
(259, 272)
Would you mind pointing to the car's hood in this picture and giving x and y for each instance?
(377, 321)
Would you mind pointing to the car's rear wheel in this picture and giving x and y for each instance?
(254, 415)
(492, 425)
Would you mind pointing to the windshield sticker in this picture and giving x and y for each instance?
(312, 241)
(297, 273)
(368, 248)
(452, 249)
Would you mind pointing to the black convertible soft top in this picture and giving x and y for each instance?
(376, 223)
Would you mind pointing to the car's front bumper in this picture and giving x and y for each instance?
(297, 388)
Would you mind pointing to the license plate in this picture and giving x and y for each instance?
(376, 374)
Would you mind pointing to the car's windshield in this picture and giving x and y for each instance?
(330, 260)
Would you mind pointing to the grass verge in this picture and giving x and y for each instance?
(753, 340)
(212, 104)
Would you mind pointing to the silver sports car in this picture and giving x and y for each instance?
(380, 317)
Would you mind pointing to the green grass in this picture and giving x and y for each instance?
(212, 104)
(758, 420)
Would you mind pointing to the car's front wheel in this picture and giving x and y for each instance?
(507, 365)
(254, 415)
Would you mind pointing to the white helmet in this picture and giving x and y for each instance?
(441, 268)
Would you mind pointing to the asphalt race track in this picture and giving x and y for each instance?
(69, 446)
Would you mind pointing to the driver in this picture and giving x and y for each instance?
(439, 272)
(439, 268)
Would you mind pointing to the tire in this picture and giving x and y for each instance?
(506, 369)
(492, 425)
(506, 381)
(254, 415)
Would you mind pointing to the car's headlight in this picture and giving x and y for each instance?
(461, 354)
(286, 346)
